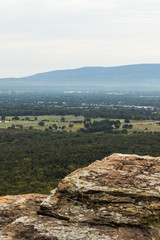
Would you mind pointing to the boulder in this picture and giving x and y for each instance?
(119, 191)
(117, 198)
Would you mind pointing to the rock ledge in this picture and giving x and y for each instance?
(117, 198)
(119, 190)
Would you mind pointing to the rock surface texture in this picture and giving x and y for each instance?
(117, 198)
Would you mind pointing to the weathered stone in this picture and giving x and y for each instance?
(117, 198)
(119, 190)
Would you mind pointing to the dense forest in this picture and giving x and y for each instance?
(117, 105)
(35, 161)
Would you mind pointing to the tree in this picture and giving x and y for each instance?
(127, 120)
(3, 117)
(41, 124)
(55, 126)
(62, 119)
(15, 118)
(27, 119)
(127, 126)
(117, 124)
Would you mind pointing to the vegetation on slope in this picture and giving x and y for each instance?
(35, 161)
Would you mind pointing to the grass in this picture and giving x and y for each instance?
(143, 126)
(49, 120)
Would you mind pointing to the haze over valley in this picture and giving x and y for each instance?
(138, 77)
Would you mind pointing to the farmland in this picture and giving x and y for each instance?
(45, 137)
(27, 122)
(71, 123)
(143, 126)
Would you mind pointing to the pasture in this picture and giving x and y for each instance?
(71, 123)
(143, 126)
(49, 122)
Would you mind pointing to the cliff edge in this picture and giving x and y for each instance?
(117, 198)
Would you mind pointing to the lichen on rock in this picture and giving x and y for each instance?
(117, 198)
(119, 190)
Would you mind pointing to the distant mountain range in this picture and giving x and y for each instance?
(131, 77)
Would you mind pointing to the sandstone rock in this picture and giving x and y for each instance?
(14, 208)
(120, 190)
(117, 198)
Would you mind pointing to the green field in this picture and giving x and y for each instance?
(143, 126)
(50, 120)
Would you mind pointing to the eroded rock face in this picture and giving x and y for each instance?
(117, 198)
(120, 189)
(14, 209)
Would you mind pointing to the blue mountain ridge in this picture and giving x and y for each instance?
(143, 76)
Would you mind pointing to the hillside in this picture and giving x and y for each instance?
(131, 77)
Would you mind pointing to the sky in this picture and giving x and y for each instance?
(44, 35)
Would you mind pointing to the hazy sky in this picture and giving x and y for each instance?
(42, 35)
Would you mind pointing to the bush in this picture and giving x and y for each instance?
(41, 124)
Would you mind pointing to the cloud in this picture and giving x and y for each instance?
(41, 34)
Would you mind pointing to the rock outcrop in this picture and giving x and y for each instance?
(117, 198)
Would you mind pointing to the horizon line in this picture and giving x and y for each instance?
(76, 68)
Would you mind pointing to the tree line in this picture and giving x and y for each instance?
(36, 161)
